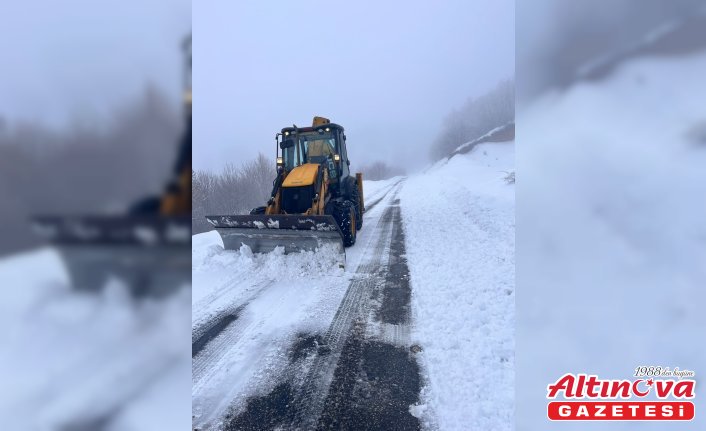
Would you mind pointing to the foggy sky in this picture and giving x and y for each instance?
(386, 71)
(80, 60)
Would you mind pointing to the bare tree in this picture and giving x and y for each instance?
(235, 190)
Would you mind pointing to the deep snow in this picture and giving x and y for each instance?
(459, 223)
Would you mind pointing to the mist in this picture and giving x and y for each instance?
(77, 61)
(388, 74)
(593, 39)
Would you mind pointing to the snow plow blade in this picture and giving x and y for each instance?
(264, 233)
(149, 254)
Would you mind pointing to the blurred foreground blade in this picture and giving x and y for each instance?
(150, 254)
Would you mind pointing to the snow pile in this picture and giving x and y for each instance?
(222, 277)
(208, 252)
(85, 361)
(612, 239)
(459, 226)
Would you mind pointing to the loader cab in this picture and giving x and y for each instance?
(323, 144)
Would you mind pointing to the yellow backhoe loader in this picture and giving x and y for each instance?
(315, 199)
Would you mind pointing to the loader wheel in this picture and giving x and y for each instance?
(258, 210)
(344, 214)
(355, 198)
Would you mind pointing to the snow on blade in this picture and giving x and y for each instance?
(273, 224)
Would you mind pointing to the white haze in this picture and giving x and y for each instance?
(75, 61)
(388, 72)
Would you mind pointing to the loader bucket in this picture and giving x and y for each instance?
(264, 233)
(149, 254)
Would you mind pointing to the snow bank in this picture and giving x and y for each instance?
(459, 227)
(611, 242)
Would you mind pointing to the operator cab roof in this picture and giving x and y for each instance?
(312, 129)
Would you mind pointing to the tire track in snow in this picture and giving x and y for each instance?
(370, 206)
(205, 333)
(200, 308)
(219, 346)
(309, 399)
(377, 378)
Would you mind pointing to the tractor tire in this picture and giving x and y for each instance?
(344, 214)
(258, 210)
(355, 198)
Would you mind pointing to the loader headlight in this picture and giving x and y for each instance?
(280, 161)
(337, 157)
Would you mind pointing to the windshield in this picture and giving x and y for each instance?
(310, 147)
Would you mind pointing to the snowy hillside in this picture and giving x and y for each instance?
(459, 220)
(611, 251)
